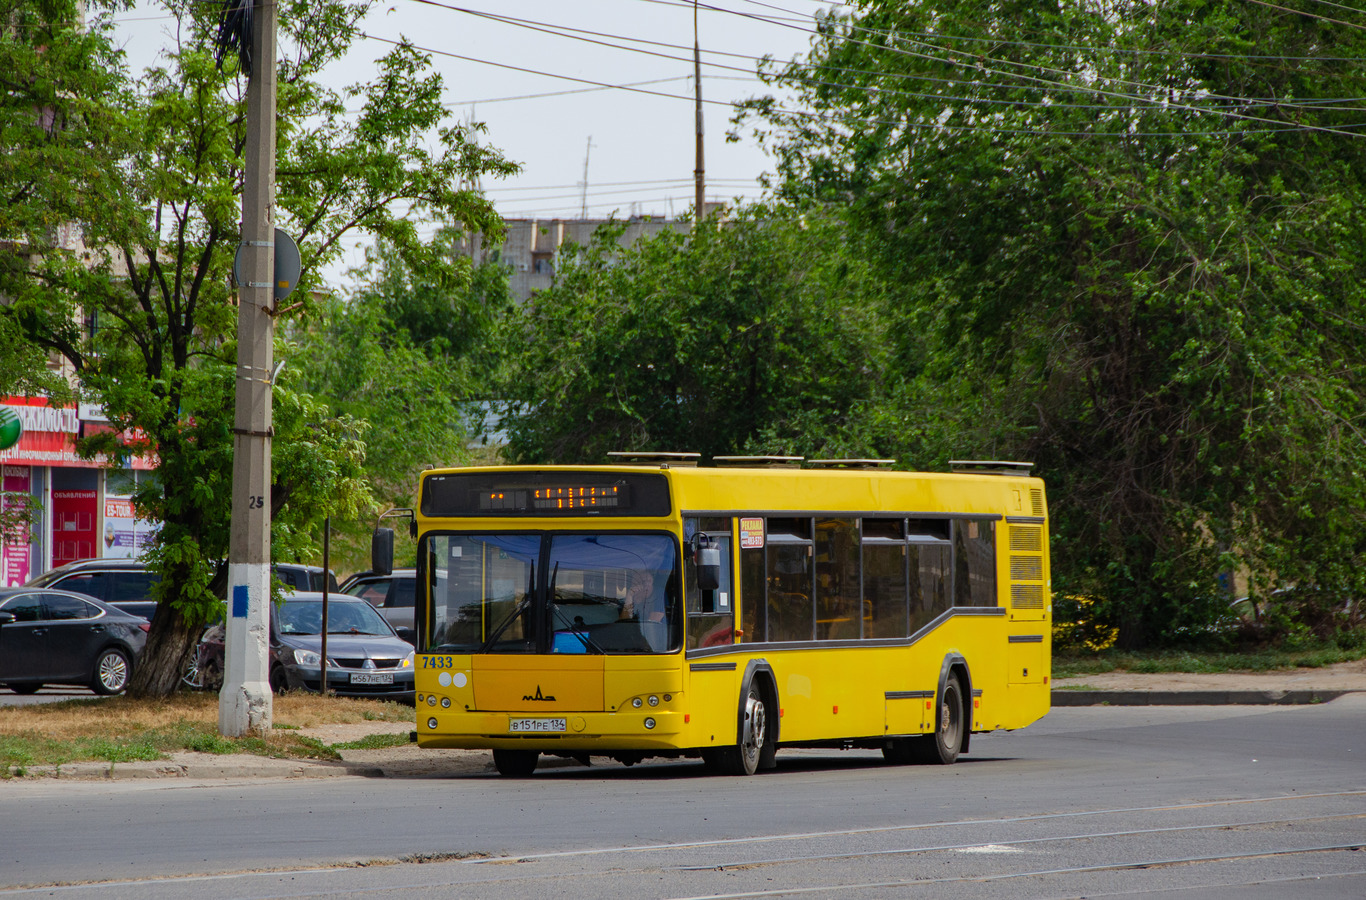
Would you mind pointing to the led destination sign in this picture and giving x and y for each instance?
(545, 494)
(557, 498)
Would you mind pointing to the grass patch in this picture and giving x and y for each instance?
(1203, 663)
(375, 742)
(123, 729)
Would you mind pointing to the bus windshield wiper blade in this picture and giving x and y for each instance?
(516, 610)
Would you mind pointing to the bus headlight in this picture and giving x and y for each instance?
(636, 702)
(649, 722)
(445, 702)
(654, 701)
(431, 723)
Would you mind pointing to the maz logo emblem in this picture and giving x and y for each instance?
(539, 696)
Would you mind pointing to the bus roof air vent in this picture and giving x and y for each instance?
(653, 458)
(756, 462)
(851, 463)
(990, 467)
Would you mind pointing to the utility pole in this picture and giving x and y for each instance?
(245, 703)
(699, 170)
(583, 197)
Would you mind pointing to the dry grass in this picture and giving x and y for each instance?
(118, 729)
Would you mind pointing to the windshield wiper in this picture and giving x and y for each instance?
(516, 611)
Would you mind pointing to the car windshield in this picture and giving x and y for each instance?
(614, 593)
(306, 617)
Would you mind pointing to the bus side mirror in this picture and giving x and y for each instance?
(382, 551)
(708, 564)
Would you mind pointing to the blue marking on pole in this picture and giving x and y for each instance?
(239, 601)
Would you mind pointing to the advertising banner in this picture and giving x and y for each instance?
(14, 557)
(125, 535)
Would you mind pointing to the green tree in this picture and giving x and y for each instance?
(408, 352)
(141, 306)
(1127, 245)
(756, 335)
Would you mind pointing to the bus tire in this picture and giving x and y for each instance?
(744, 757)
(942, 747)
(515, 763)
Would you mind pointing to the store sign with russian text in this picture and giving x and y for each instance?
(45, 435)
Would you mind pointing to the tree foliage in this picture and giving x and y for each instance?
(141, 304)
(408, 352)
(756, 335)
(1126, 243)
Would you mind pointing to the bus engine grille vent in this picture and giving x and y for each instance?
(1026, 538)
(1026, 596)
(1026, 568)
(1036, 501)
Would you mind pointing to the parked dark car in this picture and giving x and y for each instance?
(58, 637)
(391, 594)
(298, 577)
(124, 583)
(366, 658)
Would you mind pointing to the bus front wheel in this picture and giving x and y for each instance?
(515, 763)
(744, 757)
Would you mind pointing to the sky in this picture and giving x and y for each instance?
(637, 148)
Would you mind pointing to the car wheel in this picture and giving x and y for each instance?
(25, 688)
(515, 763)
(278, 684)
(112, 669)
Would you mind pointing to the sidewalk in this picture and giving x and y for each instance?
(411, 761)
(1188, 689)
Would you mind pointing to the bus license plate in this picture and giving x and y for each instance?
(536, 725)
(372, 678)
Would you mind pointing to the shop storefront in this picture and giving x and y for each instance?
(83, 508)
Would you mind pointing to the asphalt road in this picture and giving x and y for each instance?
(1162, 802)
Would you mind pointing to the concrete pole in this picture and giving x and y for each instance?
(245, 703)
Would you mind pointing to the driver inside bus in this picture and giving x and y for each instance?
(642, 602)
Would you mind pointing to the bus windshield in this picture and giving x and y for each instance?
(580, 592)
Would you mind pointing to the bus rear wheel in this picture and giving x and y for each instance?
(942, 747)
(515, 763)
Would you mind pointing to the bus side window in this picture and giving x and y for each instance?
(974, 582)
(791, 596)
(886, 586)
(838, 613)
(711, 614)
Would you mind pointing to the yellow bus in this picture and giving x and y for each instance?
(658, 608)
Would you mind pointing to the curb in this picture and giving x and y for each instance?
(1193, 698)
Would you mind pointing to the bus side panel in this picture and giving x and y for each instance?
(713, 693)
